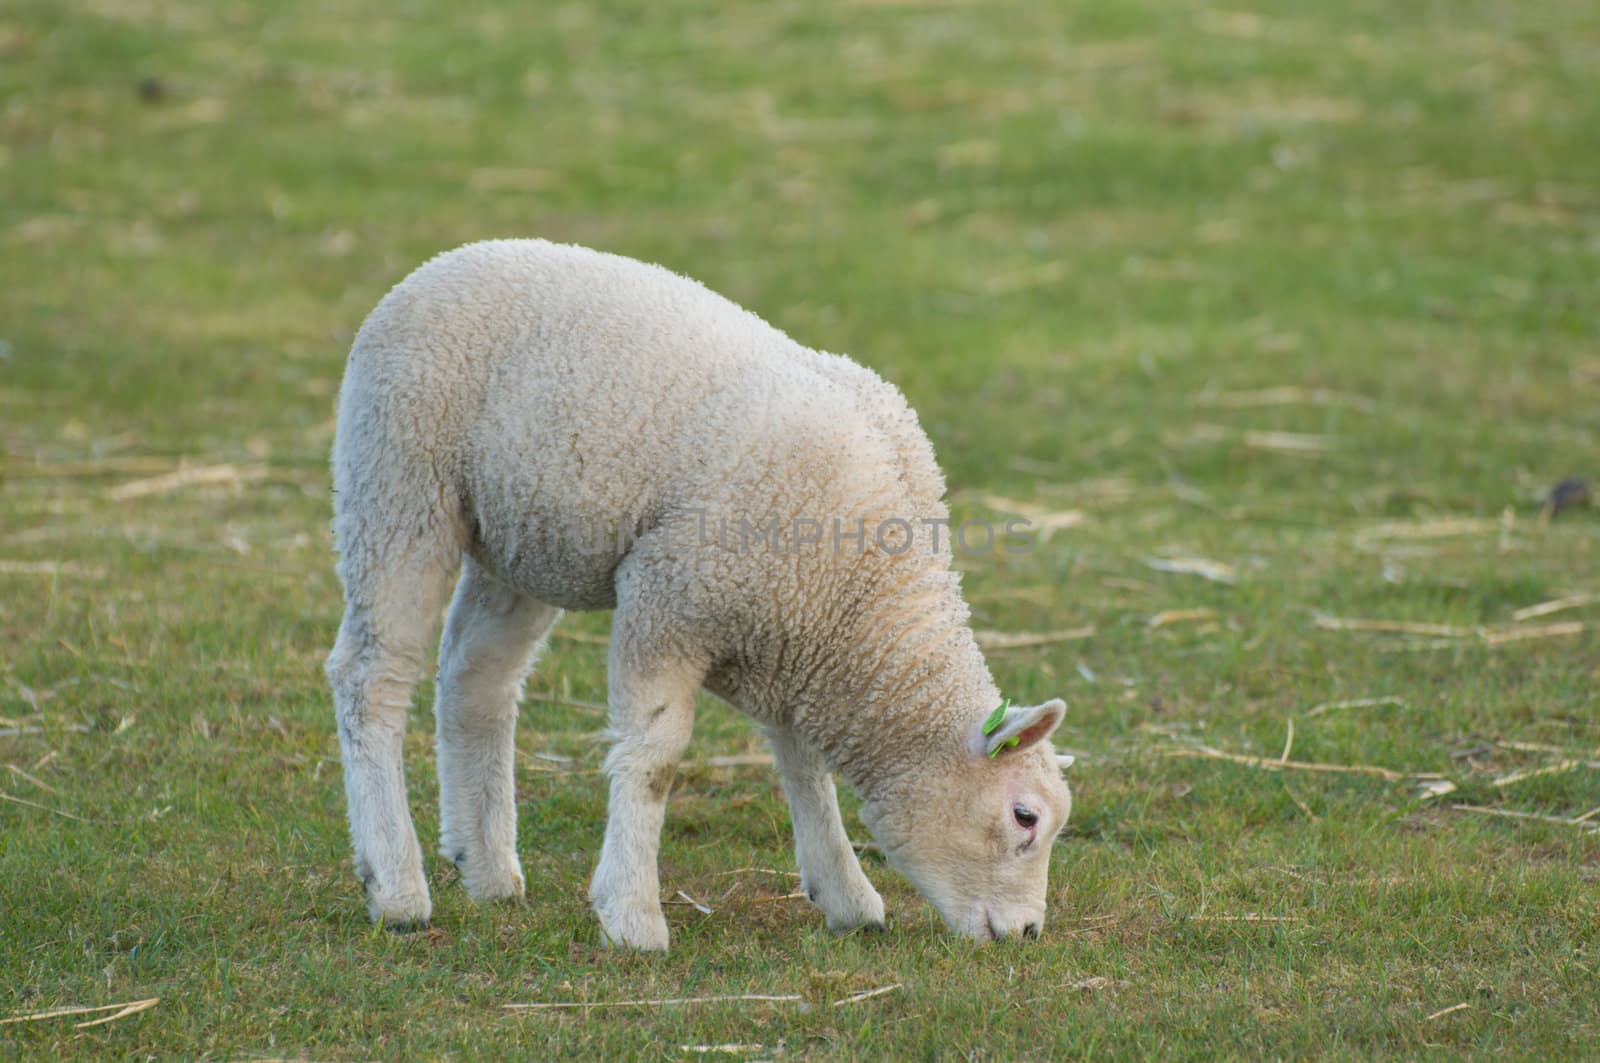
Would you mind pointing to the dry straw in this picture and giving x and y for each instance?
(122, 1011)
(1016, 640)
(1272, 764)
(673, 1002)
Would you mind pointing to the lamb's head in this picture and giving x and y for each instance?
(974, 833)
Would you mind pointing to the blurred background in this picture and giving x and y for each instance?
(1056, 225)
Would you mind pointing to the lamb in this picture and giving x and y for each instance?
(564, 429)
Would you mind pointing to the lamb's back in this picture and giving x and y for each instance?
(570, 394)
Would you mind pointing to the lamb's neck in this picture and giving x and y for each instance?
(902, 698)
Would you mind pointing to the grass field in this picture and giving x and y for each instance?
(1307, 291)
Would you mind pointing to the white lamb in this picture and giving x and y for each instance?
(567, 429)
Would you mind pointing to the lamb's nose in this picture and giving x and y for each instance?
(1031, 930)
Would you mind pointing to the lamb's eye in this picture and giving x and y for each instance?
(1025, 816)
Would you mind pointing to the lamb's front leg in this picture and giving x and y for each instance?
(652, 714)
(830, 874)
(488, 647)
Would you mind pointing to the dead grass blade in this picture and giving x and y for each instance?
(1287, 442)
(543, 764)
(1489, 637)
(1533, 773)
(130, 1009)
(1548, 631)
(45, 808)
(732, 1048)
(556, 758)
(122, 1011)
(1097, 982)
(1248, 917)
(187, 476)
(1014, 640)
(657, 1002)
(1042, 521)
(1398, 627)
(1205, 568)
(1452, 1009)
(696, 905)
(50, 568)
(568, 703)
(1300, 804)
(1442, 528)
(129, 466)
(1269, 764)
(734, 760)
(30, 777)
(1356, 703)
(866, 994)
(1290, 395)
(1556, 605)
(1419, 647)
(1582, 823)
(1531, 747)
(580, 636)
(732, 998)
(1180, 616)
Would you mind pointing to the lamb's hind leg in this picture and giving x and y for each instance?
(393, 597)
(830, 874)
(490, 641)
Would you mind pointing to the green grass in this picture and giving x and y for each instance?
(1079, 236)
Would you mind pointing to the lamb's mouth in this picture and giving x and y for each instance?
(1029, 931)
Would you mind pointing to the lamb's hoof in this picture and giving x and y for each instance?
(492, 879)
(634, 929)
(415, 926)
(401, 910)
(860, 907)
(853, 923)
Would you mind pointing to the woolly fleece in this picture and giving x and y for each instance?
(593, 432)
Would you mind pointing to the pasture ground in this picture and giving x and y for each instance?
(1302, 291)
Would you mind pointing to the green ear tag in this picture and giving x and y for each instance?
(992, 724)
(996, 718)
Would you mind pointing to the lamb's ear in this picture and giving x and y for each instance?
(1021, 727)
